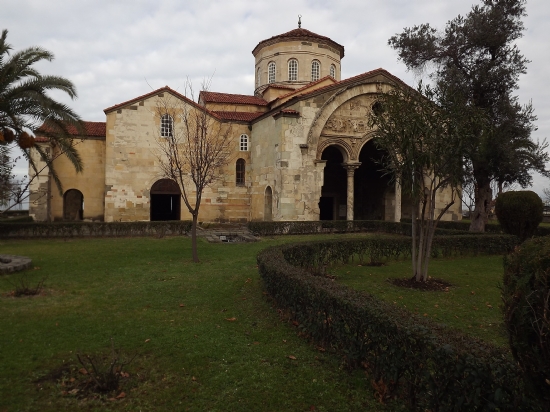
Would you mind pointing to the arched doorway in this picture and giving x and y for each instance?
(332, 204)
(73, 205)
(371, 186)
(268, 205)
(165, 200)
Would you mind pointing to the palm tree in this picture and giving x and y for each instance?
(25, 106)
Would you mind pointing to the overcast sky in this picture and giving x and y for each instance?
(114, 50)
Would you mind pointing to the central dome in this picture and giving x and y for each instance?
(294, 59)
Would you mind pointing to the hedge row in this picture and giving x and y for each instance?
(430, 366)
(336, 226)
(316, 256)
(82, 229)
(489, 228)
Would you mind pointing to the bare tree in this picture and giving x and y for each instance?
(194, 148)
(423, 153)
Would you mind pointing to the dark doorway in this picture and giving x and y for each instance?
(165, 200)
(371, 186)
(332, 204)
(73, 205)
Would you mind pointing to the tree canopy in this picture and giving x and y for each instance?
(476, 56)
(25, 105)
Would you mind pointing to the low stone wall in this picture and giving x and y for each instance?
(93, 229)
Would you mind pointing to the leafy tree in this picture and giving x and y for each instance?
(476, 56)
(421, 141)
(25, 106)
(193, 152)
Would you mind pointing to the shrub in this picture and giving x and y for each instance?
(432, 367)
(519, 213)
(526, 306)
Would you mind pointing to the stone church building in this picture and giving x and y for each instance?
(302, 149)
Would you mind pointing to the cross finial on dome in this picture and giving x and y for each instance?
(299, 20)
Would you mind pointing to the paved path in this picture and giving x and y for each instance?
(12, 263)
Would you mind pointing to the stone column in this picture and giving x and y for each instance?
(350, 167)
(397, 206)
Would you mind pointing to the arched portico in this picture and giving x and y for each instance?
(73, 205)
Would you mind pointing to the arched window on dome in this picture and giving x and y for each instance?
(243, 143)
(333, 71)
(166, 125)
(315, 70)
(292, 70)
(240, 167)
(271, 72)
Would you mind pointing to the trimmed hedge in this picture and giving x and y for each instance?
(519, 213)
(336, 226)
(432, 367)
(82, 229)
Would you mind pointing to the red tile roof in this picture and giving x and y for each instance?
(239, 116)
(299, 34)
(91, 129)
(152, 94)
(297, 91)
(214, 97)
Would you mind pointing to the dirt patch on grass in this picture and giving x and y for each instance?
(430, 285)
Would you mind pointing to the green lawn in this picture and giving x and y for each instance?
(206, 337)
(471, 304)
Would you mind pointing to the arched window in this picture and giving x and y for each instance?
(243, 143)
(239, 172)
(292, 70)
(315, 70)
(166, 125)
(271, 72)
(333, 71)
(258, 80)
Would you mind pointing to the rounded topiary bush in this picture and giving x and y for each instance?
(519, 213)
(526, 307)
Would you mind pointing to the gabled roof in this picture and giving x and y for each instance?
(154, 93)
(297, 95)
(214, 97)
(238, 116)
(91, 129)
(299, 34)
(307, 86)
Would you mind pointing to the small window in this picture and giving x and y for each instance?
(258, 80)
(333, 71)
(243, 145)
(239, 172)
(271, 72)
(166, 126)
(292, 70)
(315, 70)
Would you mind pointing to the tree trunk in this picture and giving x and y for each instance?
(483, 198)
(194, 238)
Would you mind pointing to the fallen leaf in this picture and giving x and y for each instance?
(147, 340)
(231, 319)
(182, 305)
(193, 379)
(72, 380)
(256, 343)
(74, 391)
(121, 395)
(37, 268)
(425, 314)
(83, 371)
(295, 323)
(292, 357)
(473, 292)
(125, 374)
(284, 340)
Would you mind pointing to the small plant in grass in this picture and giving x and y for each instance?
(519, 213)
(24, 287)
(526, 306)
(105, 371)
